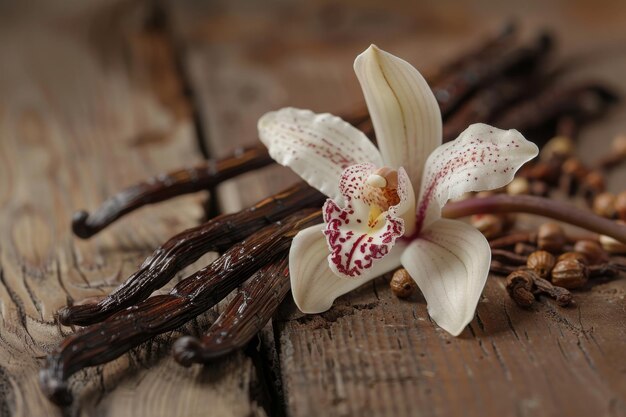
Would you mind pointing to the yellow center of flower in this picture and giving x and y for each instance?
(386, 179)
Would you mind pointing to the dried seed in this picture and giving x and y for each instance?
(539, 188)
(594, 183)
(604, 205)
(570, 274)
(592, 251)
(519, 285)
(620, 205)
(490, 225)
(541, 262)
(612, 246)
(558, 146)
(618, 146)
(518, 186)
(402, 285)
(575, 167)
(572, 255)
(550, 237)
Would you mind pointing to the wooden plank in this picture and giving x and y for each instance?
(90, 102)
(373, 354)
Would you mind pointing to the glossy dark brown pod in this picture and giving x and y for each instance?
(105, 341)
(456, 87)
(163, 187)
(217, 234)
(582, 102)
(486, 103)
(497, 42)
(250, 310)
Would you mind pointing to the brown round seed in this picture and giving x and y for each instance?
(572, 255)
(402, 285)
(570, 274)
(604, 205)
(558, 146)
(594, 182)
(592, 251)
(550, 237)
(618, 146)
(490, 225)
(519, 186)
(573, 166)
(620, 205)
(541, 262)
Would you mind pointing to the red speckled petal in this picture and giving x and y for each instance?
(318, 147)
(364, 231)
(481, 158)
(404, 110)
(313, 285)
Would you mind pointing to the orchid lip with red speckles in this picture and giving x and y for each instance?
(372, 223)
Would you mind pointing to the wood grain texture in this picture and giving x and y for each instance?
(91, 102)
(373, 354)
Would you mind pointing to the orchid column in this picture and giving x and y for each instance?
(372, 220)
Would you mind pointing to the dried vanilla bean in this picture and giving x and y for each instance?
(490, 46)
(486, 103)
(253, 306)
(162, 187)
(452, 90)
(217, 234)
(582, 102)
(105, 341)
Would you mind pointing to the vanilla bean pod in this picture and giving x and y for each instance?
(493, 44)
(253, 306)
(217, 234)
(162, 187)
(582, 102)
(452, 90)
(105, 341)
(486, 103)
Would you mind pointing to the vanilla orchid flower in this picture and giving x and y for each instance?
(373, 222)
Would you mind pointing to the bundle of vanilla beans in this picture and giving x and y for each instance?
(506, 82)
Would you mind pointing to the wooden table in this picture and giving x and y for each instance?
(96, 95)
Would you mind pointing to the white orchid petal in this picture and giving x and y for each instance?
(313, 285)
(364, 232)
(481, 158)
(318, 147)
(449, 261)
(403, 109)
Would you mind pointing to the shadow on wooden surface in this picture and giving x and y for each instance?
(95, 96)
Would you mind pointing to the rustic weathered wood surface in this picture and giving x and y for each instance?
(97, 95)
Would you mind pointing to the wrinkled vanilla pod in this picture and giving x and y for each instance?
(162, 187)
(490, 46)
(582, 102)
(253, 306)
(217, 234)
(105, 341)
(451, 91)
(486, 103)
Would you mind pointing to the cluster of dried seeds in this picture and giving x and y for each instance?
(549, 262)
